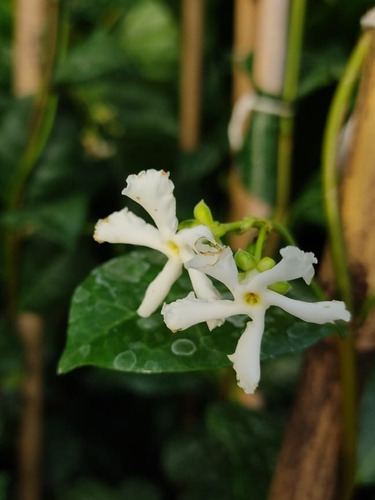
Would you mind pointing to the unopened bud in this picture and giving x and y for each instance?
(202, 213)
(280, 287)
(265, 264)
(244, 260)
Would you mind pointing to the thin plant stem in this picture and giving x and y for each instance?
(346, 347)
(294, 48)
(261, 239)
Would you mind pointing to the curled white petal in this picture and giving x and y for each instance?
(223, 269)
(126, 227)
(159, 287)
(189, 311)
(197, 239)
(312, 312)
(153, 190)
(204, 289)
(246, 358)
(294, 264)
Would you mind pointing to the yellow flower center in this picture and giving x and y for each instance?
(173, 247)
(252, 299)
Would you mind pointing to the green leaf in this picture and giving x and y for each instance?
(366, 442)
(149, 36)
(13, 134)
(49, 277)
(308, 207)
(59, 221)
(106, 331)
(96, 57)
(257, 159)
(215, 462)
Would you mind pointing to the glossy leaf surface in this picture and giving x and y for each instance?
(105, 329)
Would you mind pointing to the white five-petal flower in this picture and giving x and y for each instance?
(251, 296)
(153, 190)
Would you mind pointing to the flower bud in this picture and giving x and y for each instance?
(244, 260)
(265, 264)
(202, 213)
(282, 287)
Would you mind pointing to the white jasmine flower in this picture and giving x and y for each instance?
(153, 190)
(251, 296)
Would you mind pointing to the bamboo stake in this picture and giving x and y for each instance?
(29, 26)
(308, 465)
(271, 45)
(191, 73)
(31, 75)
(358, 194)
(243, 43)
(315, 471)
(242, 202)
(30, 328)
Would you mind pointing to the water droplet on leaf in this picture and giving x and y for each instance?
(125, 361)
(151, 366)
(85, 350)
(183, 347)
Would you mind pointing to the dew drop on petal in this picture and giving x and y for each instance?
(183, 347)
(125, 361)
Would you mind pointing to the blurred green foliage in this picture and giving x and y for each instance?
(114, 436)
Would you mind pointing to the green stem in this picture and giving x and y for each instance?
(346, 348)
(261, 239)
(289, 94)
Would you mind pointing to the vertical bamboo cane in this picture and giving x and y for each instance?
(29, 30)
(241, 202)
(268, 42)
(30, 329)
(29, 24)
(309, 465)
(191, 73)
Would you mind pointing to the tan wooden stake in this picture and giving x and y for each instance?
(191, 73)
(30, 24)
(309, 461)
(30, 329)
(242, 203)
(259, 27)
(358, 203)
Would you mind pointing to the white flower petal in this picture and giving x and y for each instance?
(190, 311)
(204, 289)
(223, 269)
(246, 358)
(294, 264)
(312, 312)
(159, 287)
(197, 239)
(126, 227)
(153, 190)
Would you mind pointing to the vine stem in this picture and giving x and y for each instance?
(289, 93)
(346, 349)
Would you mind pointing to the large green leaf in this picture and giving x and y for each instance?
(106, 331)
